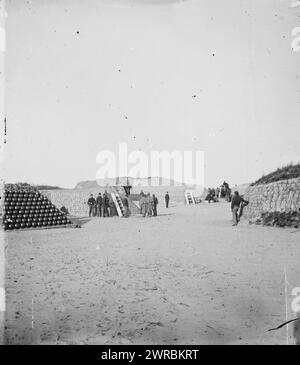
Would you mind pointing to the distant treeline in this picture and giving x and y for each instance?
(290, 171)
(26, 186)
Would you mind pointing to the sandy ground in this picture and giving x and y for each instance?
(184, 277)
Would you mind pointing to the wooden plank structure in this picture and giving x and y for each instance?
(189, 197)
(118, 204)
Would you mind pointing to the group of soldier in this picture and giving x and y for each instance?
(148, 204)
(103, 205)
(223, 191)
(213, 195)
(99, 207)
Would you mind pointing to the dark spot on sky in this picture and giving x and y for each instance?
(194, 96)
(126, 117)
(213, 54)
(119, 70)
(77, 32)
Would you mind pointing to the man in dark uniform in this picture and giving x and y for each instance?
(211, 195)
(126, 207)
(91, 203)
(155, 202)
(99, 205)
(105, 204)
(112, 210)
(167, 199)
(236, 203)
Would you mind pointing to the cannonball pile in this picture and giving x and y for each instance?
(30, 209)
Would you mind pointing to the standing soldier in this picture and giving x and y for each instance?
(149, 205)
(167, 199)
(91, 203)
(126, 207)
(155, 202)
(143, 204)
(111, 207)
(236, 202)
(105, 202)
(243, 204)
(222, 193)
(99, 205)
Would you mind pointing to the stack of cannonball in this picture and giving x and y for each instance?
(30, 209)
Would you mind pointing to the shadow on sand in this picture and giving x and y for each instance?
(80, 221)
(165, 214)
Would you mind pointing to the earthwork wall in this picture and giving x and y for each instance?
(75, 200)
(279, 196)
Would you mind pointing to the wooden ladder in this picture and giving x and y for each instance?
(118, 203)
(189, 198)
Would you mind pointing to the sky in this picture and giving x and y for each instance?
(210, 75)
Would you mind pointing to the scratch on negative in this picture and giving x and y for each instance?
(283, 324)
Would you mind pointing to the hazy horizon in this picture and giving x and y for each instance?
(214, 76)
